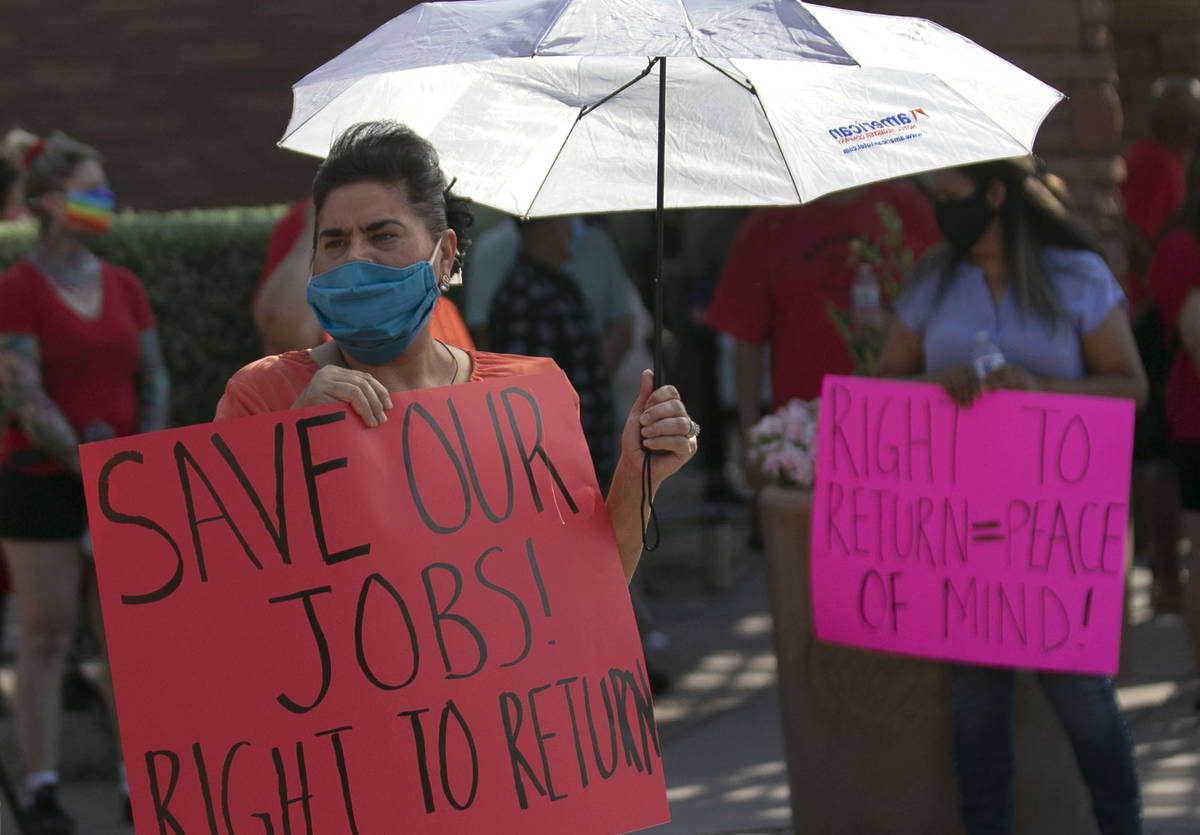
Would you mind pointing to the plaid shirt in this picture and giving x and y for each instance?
(539, 311)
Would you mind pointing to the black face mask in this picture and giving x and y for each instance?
(963, 221)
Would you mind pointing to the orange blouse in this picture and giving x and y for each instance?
(272, 384)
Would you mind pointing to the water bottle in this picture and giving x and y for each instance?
(865, 301)
(987, 356)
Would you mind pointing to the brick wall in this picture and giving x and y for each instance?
(1067, 44)
(185, 98)
(1152, 38)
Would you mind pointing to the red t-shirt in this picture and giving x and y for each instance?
(88, 366)
(787, 265)
(1153, 190)
(284, 234)
(1172, 275)
(446, 322)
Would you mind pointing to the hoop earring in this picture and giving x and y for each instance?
(444, 283)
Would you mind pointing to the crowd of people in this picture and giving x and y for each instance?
(354, 303)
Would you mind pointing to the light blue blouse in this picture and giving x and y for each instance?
(947, 324)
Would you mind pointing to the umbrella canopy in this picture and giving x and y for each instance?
(544, 107)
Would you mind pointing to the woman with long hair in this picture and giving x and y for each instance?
(1018, 274)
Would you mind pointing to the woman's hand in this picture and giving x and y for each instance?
(659, 421)
(959, 382)
(97, 430)
(1010, 377)
(334, 383)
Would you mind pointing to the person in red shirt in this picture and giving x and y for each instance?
(784, 270)
(281, 312)
(1153, 189)
(79, 361)
(1153, 192)
(1174, 280)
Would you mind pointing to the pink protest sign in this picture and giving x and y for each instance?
(992, 535)
(316, 627)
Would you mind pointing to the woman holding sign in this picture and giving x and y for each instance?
(79, 361)
(1019, 298)
(389, 236)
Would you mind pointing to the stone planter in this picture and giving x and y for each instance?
(867, 735)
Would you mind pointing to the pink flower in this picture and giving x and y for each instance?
(799, 422)
(796, 466)
(784, 444)
(769, 428)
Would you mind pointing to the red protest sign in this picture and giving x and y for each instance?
(318, 627)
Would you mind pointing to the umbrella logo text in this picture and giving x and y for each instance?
(875, 128)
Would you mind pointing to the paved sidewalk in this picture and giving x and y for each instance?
(725, 766)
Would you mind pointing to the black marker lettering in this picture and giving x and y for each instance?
(411, 474)
(310, 612)
(451, 710)
(840, 410)
(278, 530)
(162, 815)
(339, 754)
(311, 472)
(184, 461)
(422, 763)
(510, 715)
(360, 651)
(440, 615)
(536, 450)
(469, 458)
(119, 518)
(225, 770)
(522, 613)
(1085, 450)
(302, 799)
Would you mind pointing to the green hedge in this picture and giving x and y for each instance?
(199, 269)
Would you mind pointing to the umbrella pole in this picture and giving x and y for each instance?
(658, 224)
(650, 543)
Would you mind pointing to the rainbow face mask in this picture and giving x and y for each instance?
(89, 211)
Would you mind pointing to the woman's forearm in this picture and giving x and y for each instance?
(748, 373)
(626, 511)
(43, 422)
(154, 388)
(657, 432)
(25, 400)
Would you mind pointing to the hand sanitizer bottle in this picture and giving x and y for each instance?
(867, 306)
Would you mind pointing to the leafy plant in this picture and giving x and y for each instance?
(891, 260)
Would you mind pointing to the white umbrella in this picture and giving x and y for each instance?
(544, 107)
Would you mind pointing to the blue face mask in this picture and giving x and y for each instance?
(373, 311)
